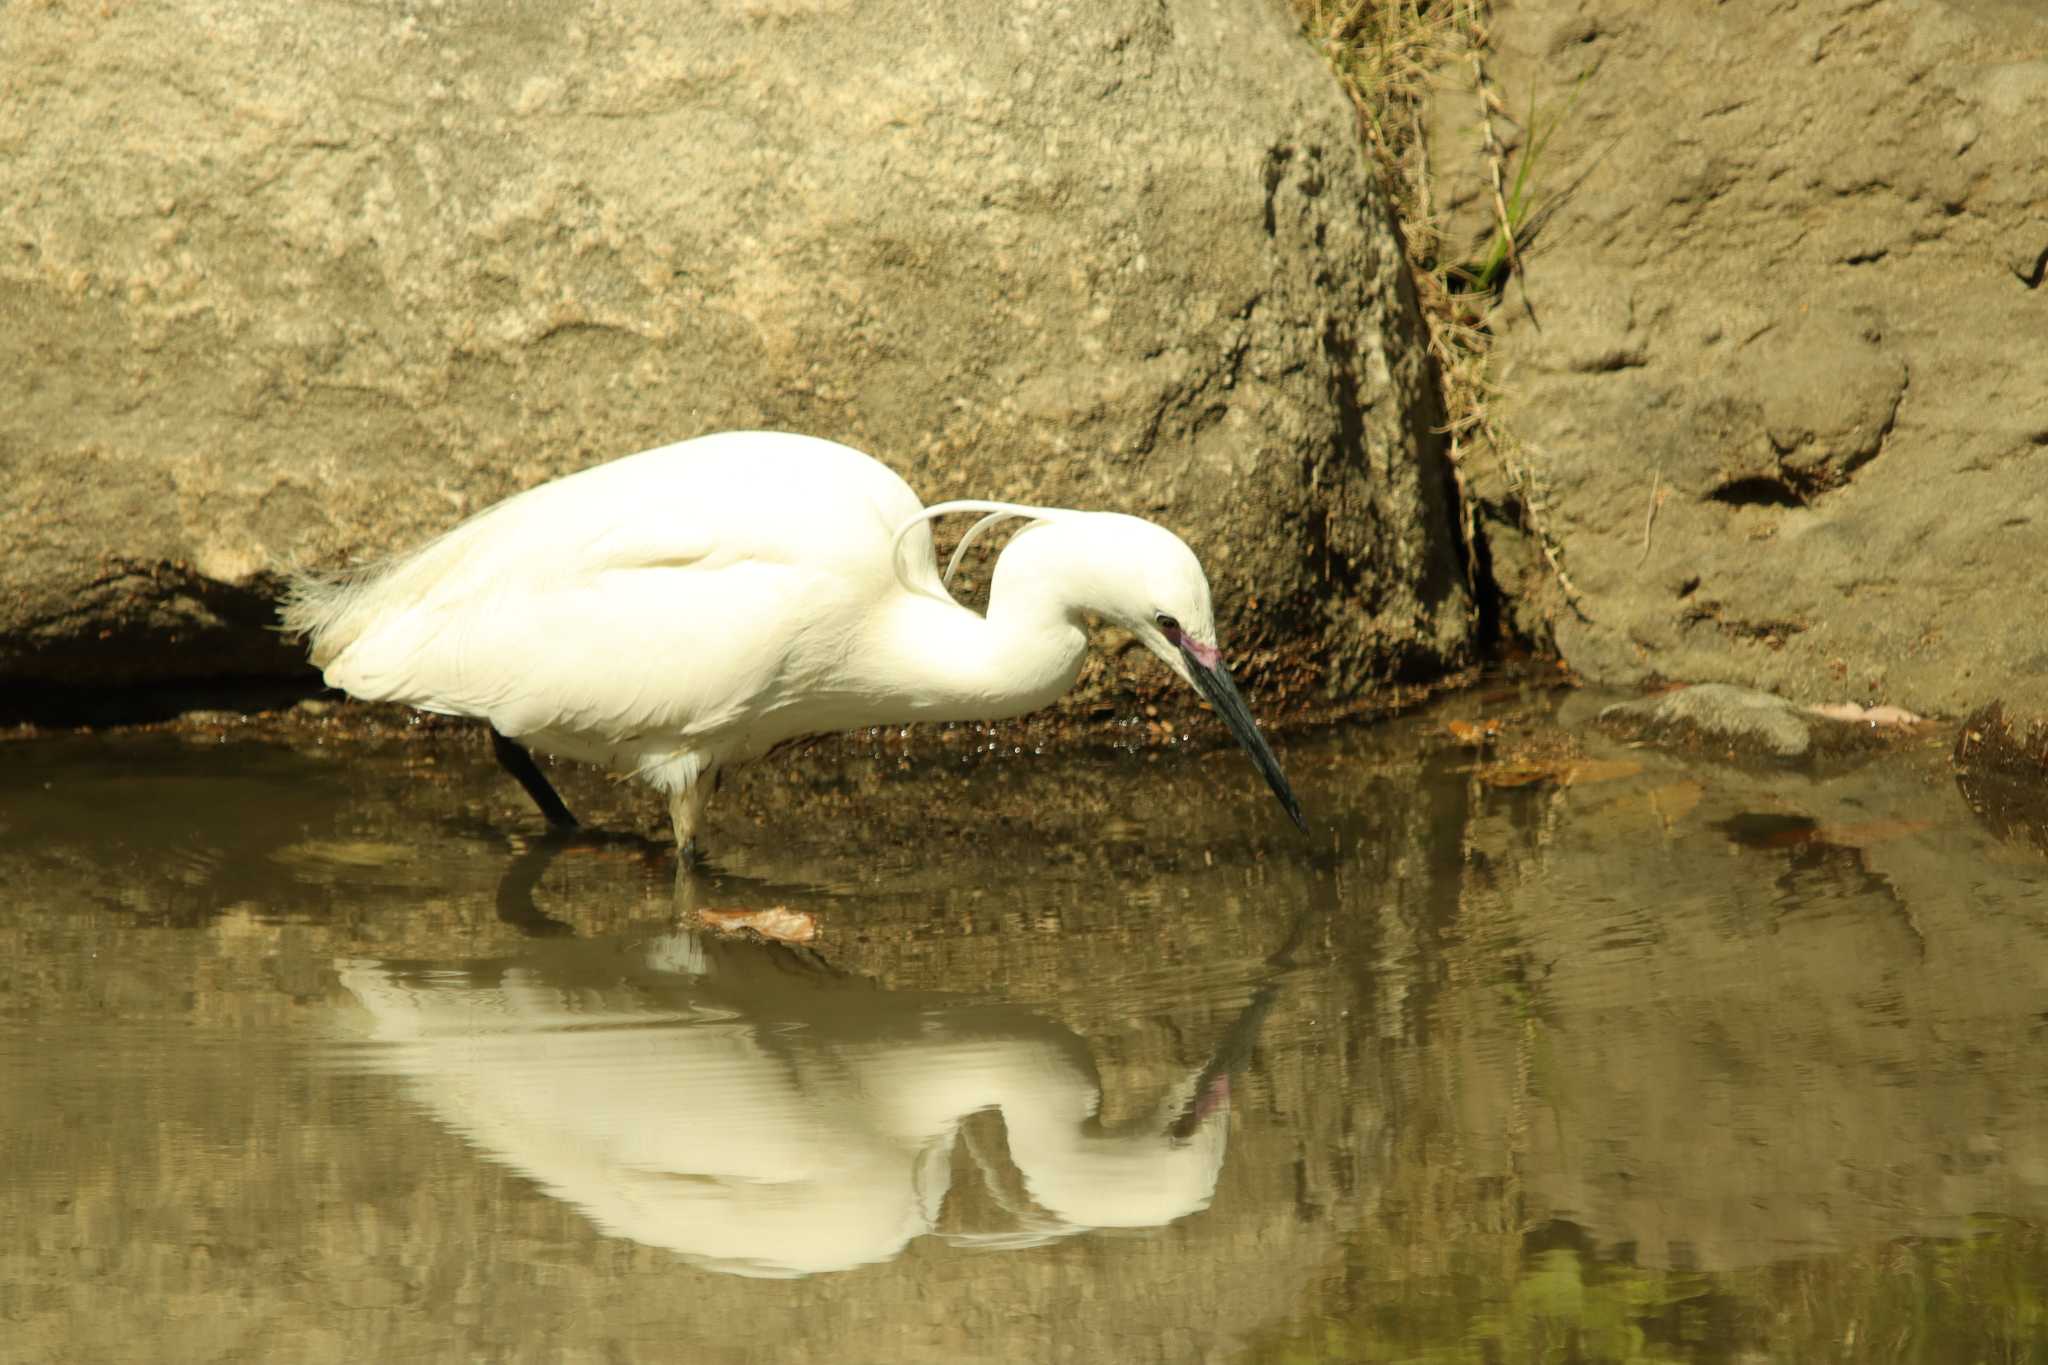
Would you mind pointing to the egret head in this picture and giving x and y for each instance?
(1144, 578)
(1130, 572)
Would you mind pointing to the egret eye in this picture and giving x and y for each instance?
(1166, 623)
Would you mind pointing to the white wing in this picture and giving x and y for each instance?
(677, 591)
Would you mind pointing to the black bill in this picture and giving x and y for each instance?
(1212, 679)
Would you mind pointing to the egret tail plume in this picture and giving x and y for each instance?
(317, 608)
(330, 609)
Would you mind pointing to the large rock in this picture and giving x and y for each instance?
(295, 282)
(1785, 416)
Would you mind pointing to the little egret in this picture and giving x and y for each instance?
(687, 608)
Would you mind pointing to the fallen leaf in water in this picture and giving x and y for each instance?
(1866, 715)
(1473, 735)
(777, 923)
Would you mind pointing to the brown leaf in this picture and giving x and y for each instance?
(1473, 735)
(778, 923)
(1873, 716)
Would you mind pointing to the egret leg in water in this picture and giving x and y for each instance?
(520, 764)
(684, 609)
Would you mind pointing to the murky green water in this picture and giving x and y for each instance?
(303, 1058)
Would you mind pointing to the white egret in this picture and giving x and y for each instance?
(687, 608)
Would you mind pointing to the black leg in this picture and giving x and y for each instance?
(520, 764)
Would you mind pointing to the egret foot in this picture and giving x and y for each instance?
(515, 760)
(686, 811)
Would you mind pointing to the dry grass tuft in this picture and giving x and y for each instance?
(1394, 57)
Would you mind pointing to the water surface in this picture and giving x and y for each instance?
(306, 1055)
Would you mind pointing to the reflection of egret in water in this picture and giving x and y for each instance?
(741, 1105)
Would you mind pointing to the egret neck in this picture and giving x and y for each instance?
(943, 661)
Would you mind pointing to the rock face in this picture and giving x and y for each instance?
(1785, 417)
(295, 283)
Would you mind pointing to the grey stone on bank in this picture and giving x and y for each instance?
(1736, 722)
(297, 282)
(1782, 409)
